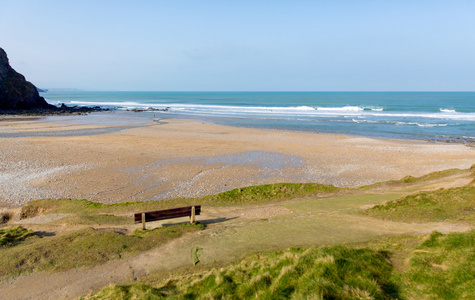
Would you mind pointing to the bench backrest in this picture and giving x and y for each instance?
(167, 214)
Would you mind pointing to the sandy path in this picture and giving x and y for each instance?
(183, 158)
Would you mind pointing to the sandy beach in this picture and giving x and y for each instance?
(83, 158)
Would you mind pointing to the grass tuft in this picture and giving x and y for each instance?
(119, 292)
(12, 236)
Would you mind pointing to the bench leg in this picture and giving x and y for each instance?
(192, 217)
(143, 221)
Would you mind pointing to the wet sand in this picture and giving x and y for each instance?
(147, 159)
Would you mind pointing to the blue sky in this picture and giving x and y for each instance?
(242, 45)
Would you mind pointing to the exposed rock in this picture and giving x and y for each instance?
(15, 92)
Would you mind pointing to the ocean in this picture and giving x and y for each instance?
(439, 116)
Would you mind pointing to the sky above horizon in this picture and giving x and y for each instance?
(242, 45)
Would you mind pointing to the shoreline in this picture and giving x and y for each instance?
(187, 158)
(435, 117)
(467, 141)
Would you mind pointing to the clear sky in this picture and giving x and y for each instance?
(257, 45)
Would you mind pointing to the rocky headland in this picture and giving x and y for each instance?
(19, 96)
(15, 92)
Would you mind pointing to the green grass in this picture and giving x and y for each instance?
(83, 247)
(429, 267)
(126, 292)
(443, 267)
(335, 272)
(269, 193)
(452, 205)
(412, 179)
(12, 236)
(435, 266)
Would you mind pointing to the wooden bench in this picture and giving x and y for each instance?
(164, 214)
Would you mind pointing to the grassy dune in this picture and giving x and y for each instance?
(452, 205)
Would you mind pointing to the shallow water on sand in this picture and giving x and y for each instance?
(407, 115)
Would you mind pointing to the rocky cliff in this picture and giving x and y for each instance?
(15, 92)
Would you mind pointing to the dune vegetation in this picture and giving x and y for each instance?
(14, 235)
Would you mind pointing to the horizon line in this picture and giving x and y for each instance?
(255, 91)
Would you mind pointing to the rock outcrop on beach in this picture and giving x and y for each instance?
(15, 92)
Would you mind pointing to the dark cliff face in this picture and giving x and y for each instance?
(15, 91)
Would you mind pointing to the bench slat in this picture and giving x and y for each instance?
(167, 214)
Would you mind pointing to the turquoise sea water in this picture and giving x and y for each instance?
(409, 115)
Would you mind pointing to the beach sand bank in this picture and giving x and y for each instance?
(153, 160)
